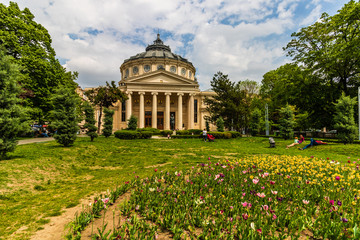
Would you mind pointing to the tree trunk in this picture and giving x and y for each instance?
(99, 120)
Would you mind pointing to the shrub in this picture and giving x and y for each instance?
(195, 131)
(154, 131)
(186, 136)
(132, 123)
(235, 134)
(108, 122)
(165, 133)
(182, 132)
(287, 122)
(220, 124)
(127, 134)
(146, 134)
(90, 121)
(344, 119)
(221, 135)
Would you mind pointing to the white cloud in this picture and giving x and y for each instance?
(242, 38)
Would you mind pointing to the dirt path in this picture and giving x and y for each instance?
(55, 229)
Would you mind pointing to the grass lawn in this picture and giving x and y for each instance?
(40, 180)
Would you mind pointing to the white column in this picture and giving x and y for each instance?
(191, 111)
(154, 110)
(167, 111)
(142, 110)
(128, 106)
(180, 111)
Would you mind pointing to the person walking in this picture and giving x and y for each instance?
(204, 135)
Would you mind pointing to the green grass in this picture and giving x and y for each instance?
(41, 180)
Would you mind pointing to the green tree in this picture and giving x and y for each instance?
(286, 122)
(105, 97)
(255, 124)
(90, 120)
(29, 43)
(132, 123)
(330, 48)
(220, 124)
(344, 118)
(64, 117)
(232, 101)
(207, 125)
(12, 114)
(108, 122)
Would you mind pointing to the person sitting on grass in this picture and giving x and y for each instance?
(313, 143)
(297, 141)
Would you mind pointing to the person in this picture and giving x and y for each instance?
(313, 143)
(204, 135)
(299, 141)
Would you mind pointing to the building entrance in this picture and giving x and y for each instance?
(160, 120)
(147, 119)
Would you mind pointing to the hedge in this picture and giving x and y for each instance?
(127, 134)
(195, 131)
(235, 134)
(154, 131)
(165, 133)
(146, 134)
(219, 135)
(182, 132)
(186, 136)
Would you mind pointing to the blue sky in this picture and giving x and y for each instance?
(241, 38)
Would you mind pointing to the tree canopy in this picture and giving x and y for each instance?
(330, 47)
(105, 97)
(29, 43)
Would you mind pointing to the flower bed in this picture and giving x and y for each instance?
(267, 197)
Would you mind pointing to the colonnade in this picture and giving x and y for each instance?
(154, 110)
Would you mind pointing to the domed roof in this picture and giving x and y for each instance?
(158, 50)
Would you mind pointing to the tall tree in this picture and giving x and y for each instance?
(105, 97)
(330, 48)
(12, 113)
(65, 116)
(90, 120)
(344, 118)
(29, 43)
(227, 103)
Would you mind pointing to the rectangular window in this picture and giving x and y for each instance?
(123, 111)
(195, 110)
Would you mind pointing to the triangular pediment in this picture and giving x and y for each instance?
(161, 77)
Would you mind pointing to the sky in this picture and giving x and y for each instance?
(241, 38)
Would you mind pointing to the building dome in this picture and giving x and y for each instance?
(158, 50)
(157, 57)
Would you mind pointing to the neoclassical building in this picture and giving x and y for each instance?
(162, 91)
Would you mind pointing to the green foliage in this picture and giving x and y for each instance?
(221, 135)
(29, 43)
(12, 114)
(344, 119)
(220, 124)
(64, 116)
(195, 131)
(329, 47)
(154, 131)
(255, 124)
(127, 134)
(233, 101)
(287, 122)
(105, 97)
(90, 120)
(132, 123)
(108, 122)
(302, 121)
(146, 134)
(235, 134)
(165, 133)
(207, 125)
(182, 132)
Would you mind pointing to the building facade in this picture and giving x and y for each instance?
(162, 91)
